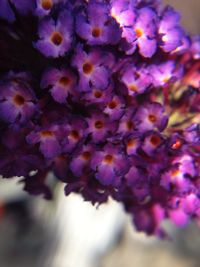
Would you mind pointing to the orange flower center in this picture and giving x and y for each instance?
(96, 32)
(99, 124)
(112, 104)
(139, 32)
(19, 100)
(75, 135)
(47, 4)
(86, 155)
(130, 125)
(46, 133)
(65, 81)
(131, 143)
(108, 159)
(133, 88)
(155, 140)
(87, 68)
(56, 38)
(152, 118)
(175, 173)
(98, 94)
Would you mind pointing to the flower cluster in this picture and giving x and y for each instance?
(105, 95)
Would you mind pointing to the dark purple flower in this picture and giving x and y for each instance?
(60, 166)
(97, 96)
(151, 116)
(17, 102)
(44, 7)
(179, 174)
(55, 36)
(81, 160)
(115, 108)
(75, 131)
(48, 139)
(92, 69)
(97, 27)
(132, 143)
(76, 102)
(61, 82)
(100, 127)
(149, 218)
(127, 124)
(110, 165)
(152, 143)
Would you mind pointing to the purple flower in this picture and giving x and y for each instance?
(100, 127)
(149, 218)
(97, 96)
(62, 83)
(192, 134)
(17, 102)
(132, 142)
(180, 173)
(48, 139)
(123, 12)
(136, 80)
(140, 31)
(152, 143)
(92, 69)
(97, 27)
(75, 132)
(109, 165)
(55, 36)
(60, 166)
(164, 73)
(81, 160)
(145, 31)
(44, 7)
(127, 124)
(115, 108)
(151, 116)
(169, 30)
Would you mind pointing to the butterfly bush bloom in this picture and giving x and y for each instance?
(61, 82)
(105, 95)
(97, 27)
(55, 36)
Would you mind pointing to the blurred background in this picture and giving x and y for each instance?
(68, 232)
